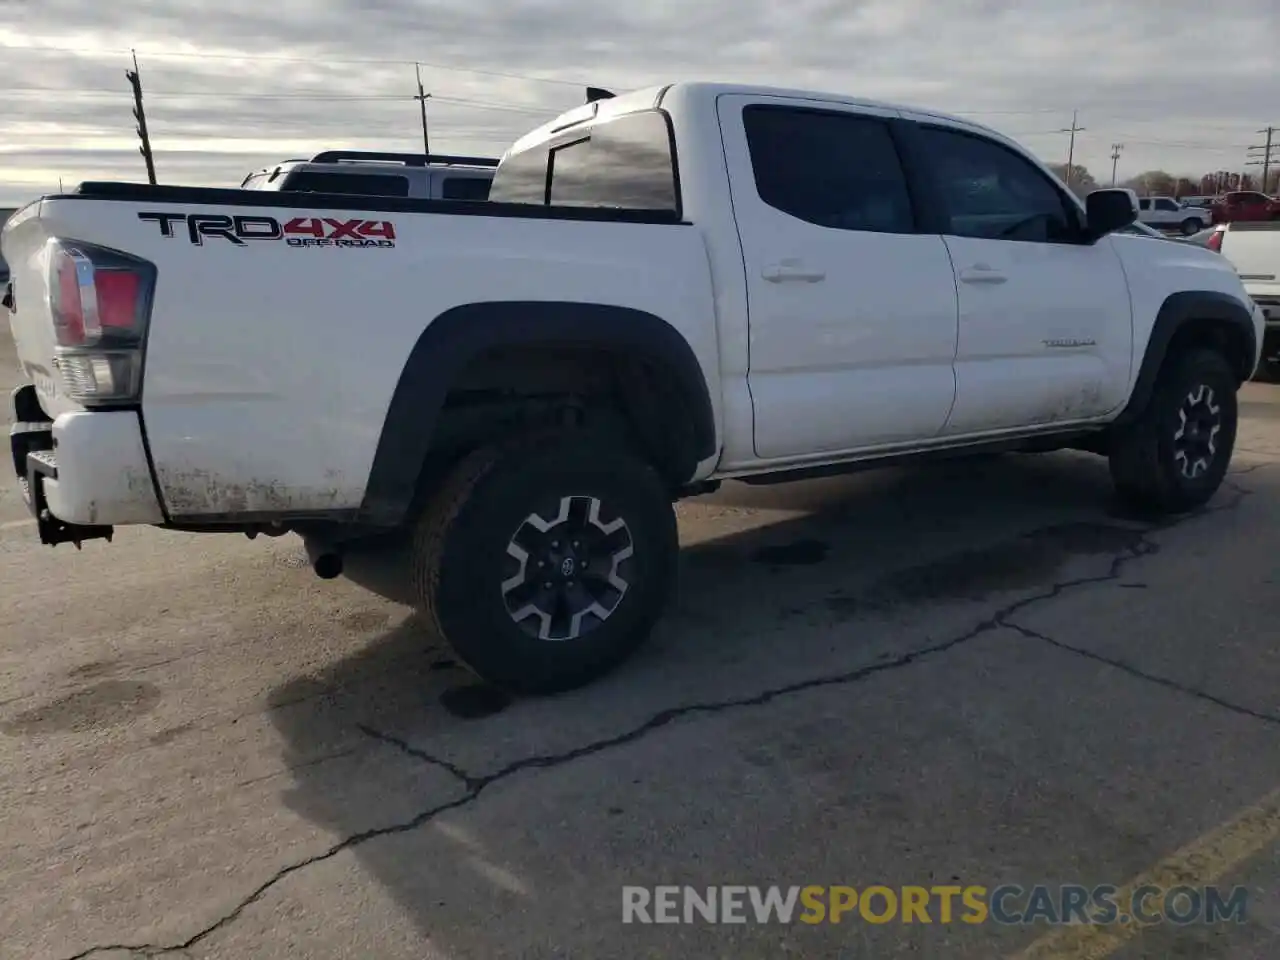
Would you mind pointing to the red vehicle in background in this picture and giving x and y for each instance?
(1244, 205)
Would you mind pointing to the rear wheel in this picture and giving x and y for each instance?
(545, 562)
(1190, 226)
(1175, 456)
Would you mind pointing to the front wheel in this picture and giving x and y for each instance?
(1175, 455)
(545, 562)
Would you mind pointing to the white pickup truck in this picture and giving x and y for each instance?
(1166, 213)
(668, 288)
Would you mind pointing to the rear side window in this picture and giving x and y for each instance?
(521, 177)
(626, 163)
(832, 169)
(360, 184)
(465, 188)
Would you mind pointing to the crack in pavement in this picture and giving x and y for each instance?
(1137, 672)
(475, 785)
(472, 784)
(353, 840)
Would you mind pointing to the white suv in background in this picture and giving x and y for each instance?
(1166, 213)
(419, 175)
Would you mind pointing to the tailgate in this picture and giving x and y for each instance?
(23, 243)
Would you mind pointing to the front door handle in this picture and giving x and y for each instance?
(793, 271)
(981, 273)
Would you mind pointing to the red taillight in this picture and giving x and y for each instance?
(101, 304)
(118, 298)
(1215, 241)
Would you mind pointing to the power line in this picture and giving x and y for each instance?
(1071, 150)
(135, 81)
(318, 97)
(280, 58)
(1263, 159)
(422, 102)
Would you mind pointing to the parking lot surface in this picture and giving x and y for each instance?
(974, 674)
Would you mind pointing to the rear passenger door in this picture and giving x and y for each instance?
(852, 310)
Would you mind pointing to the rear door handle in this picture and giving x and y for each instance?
(793, 271)
(981, 273)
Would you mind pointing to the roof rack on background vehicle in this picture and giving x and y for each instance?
(408, 159)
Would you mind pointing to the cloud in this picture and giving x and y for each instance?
(237, 84)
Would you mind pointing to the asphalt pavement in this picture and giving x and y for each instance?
(972, 674)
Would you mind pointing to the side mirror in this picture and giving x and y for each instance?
(1109, 210)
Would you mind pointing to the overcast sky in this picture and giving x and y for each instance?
(236, 84)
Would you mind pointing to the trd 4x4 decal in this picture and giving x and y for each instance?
(298, 232)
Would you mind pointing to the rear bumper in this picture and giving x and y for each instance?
(83, 472)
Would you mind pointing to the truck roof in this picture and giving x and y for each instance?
(650, 97)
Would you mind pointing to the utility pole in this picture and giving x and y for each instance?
(1261, 155)
(140, 115)
(1115, 158)
(422, 103)
(1070, 151)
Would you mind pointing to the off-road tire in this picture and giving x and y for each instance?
(460, 562)
(1148, 473)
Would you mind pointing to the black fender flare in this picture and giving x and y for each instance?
(1177, 311)
(459, 335)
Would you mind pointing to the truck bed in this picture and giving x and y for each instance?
(282, 322)
(234, 197)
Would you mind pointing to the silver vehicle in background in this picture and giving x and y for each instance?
(419, 175)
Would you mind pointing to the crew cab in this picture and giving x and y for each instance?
(1168, 214)
(500, 401)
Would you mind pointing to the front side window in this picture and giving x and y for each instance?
(828, 168)
(992, 193)
(1167, 205)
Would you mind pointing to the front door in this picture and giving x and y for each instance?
(1045, 332)
(852, 312)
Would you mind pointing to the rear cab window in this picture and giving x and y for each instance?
(626, 162)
